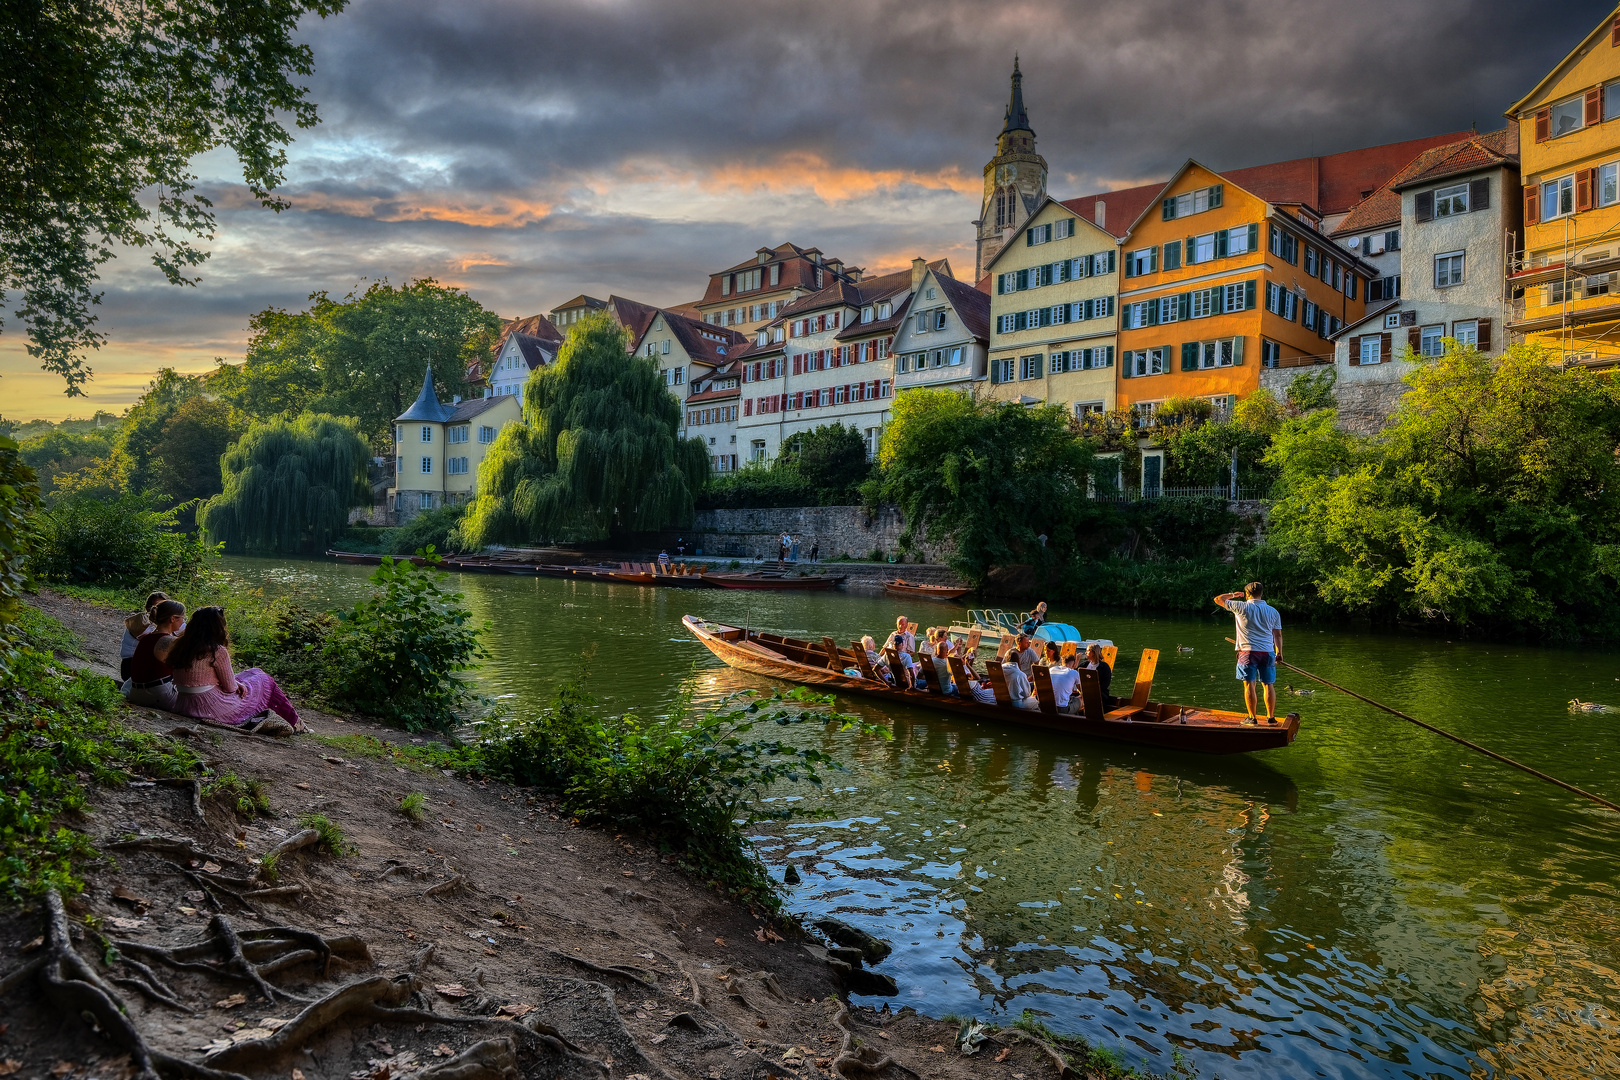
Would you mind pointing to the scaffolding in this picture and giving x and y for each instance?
(1587, 335)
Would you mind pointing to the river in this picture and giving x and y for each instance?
(1373, 901)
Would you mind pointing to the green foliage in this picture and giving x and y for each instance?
(988, 477)
(250, 798)
(427, 756)
(55, 453)
(1308, 392)
(596, 452)
(185, 458)
(57, 731)
(288, 485)
(106, 106)
(143, 425)
(361, 356)
(1199, 454)
(438, 528)
(332, 841)
(690, 782)
(19, 501)
(831, 459)
(118, 542)
(759, 485)
(414, 806)
(398, 654)
(1488, 500)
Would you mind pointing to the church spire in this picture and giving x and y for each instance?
(1017, 118)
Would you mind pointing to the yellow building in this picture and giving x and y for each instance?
(438, 448)
(1565, 290)
(1053, 312)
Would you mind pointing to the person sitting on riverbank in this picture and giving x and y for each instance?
(1105, 674)
(151, 681)
(1065, 676)
(1034, 620)
(134, 626)
(210, 690)
(1018, 687)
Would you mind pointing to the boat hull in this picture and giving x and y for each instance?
(1205, 732)
(800, 584)
(924, 592)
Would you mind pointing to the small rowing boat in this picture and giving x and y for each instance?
(1138, 720)
(902, 587)
(774, 581)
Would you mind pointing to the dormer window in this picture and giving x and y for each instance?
(885, 310)
(763, 338)
(764, 257)
(867, 313)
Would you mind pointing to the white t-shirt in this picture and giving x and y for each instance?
(1017, 682)
(1256, 619)
(1064, 680)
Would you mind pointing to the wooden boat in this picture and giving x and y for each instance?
(774, 581)
(1140, 720)
(902, 587)
(366, 558)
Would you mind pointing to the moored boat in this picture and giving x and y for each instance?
(367, 558)
(902, 587)
(774, 581)
(1138, 720)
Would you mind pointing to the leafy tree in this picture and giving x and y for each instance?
(103, 106)
(185, 459)
(990, 478)
(288, 485)
(830, 458)
(121, 541)
(19, 501)
(596, 452)
(1493, 497)
(144, 423)
(1308, 392)
(58, 452)
(360, 356)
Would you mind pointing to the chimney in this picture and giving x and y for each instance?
(1513, 136)
(1099, 214)
(919, 269)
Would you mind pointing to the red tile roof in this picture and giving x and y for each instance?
(535, 326)
(972, 306)
(697, 338)
(1383, 207)
(847, 294)
(633, 315)
(798, 272)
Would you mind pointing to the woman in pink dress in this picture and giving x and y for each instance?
(209, 690)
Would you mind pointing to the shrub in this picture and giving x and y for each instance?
(414, 806)
(119, 542)
(438, 529)
(398, 654)
(330, 834)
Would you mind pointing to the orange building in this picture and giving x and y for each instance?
(1217, 282)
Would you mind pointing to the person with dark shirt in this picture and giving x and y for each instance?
(1105, 674)
(1034, 620)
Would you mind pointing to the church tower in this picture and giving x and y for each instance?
(1014, 180)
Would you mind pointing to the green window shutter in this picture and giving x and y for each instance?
(1189, 356)
(1216, 194)
(1172, 255)
(1023, 279)
(1184, 306)
(1223, 244)
(1237, 351)
(1254, 238)
(1153, 260)
(1125, 367)
(1029, 237)
(1111, 261)
(1169, 209)
(1248, 296)
(1109, 359)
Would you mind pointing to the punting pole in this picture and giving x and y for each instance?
(1537, 773)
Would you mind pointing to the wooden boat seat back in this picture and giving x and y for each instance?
(998, 683)
(1091, 695)
(864, 662)
(1068, 649)
(1144, 678)
(835, 661)
(1042, 678)
(973, 640)
(959, 676)
(895, 666)
(1110, 655)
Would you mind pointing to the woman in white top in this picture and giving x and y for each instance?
(134, 626)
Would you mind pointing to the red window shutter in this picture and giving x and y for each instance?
(1543, 124)
(1532, 205)
(748, 407)
(1614, 34)
(1583, 189)
(1384, 348)
(1594, 106)
(1355, 352)
(1414, 340)
(1484, 335)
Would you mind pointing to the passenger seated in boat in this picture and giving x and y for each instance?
(903, 627)
(906, 677)
(875, 658)
(982, 691)
(1065, 678)
(1019, 688)
(1053, 658)
(1025, 656)
(1034, 620)
(1105, 674)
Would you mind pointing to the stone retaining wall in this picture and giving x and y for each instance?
(840, 531)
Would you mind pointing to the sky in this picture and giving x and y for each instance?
(531, 151)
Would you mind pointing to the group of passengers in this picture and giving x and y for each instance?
(184, 666)
(904, 662)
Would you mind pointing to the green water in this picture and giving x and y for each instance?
(1373, 901)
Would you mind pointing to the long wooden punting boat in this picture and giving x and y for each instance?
(775, 581)
(366, 558)
(902, 587)
(1139, 720)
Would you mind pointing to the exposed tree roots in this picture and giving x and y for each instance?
(1059, 1062)
(849, 1054)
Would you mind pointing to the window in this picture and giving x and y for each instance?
(1088, 408)
(1193, 202)
(1040, 234)
(1311, 266)
(1372, 350)
(867, 313)
(1172, 255)
(1448, 269)
(885, 310)
(1373, 245)
(1140, 314)
(1450, 201)
(1566, 117)
(1029, 367)
(1145, 261)
(427, 433)
(1201, 355)
(1169, 308)
(756, 450)
(1199, 304)
(1201, 249)
(937, 359)
(1608, 183)
(427, 500)
(1284, 244)
(427, 466)
(1145, 362)
(1270, 353)
(1557, 198)
(939, 318)
(1392, 240)
(1384, 288)
(922, 322)
(902, 363)
(1102, 263)
(1429, 339)
(486, 434)
(1466, 332)
(956, 356)
(1002, 370)
(1238, 240)
(931, 294)
(1611, 101)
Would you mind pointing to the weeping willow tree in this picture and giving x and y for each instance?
(289, 485)
(597, 451)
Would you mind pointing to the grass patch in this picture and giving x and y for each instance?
(414, 806)
(58, 734)
(1097, 1061)
(250, 798)
(419, 757)
(332, 841)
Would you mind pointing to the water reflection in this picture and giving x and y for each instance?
(1370, 902)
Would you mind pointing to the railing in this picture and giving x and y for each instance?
(1302, 361)
(1229, 492)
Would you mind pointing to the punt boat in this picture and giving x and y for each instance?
(1138, 720)
(902, 587)
(774, 581)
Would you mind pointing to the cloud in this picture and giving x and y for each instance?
(528, 150)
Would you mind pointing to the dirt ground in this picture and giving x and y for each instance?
(493, 940)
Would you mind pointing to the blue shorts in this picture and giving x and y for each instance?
(1260, 667)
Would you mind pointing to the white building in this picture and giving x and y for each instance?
(944, 338)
